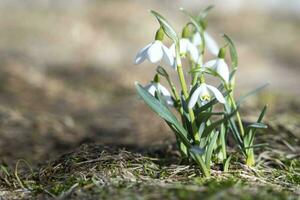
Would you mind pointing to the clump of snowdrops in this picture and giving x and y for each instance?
(207, 113)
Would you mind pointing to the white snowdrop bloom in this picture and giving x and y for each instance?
(210, 43)
(154, 87)
(204, 92)
(155, 52)
(186, 47)
(219, 65)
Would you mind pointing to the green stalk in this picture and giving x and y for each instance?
(181, 146)
(223, 142)
(250, 160)
(185, 93)
(238, 116)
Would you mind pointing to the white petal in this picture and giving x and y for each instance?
(197, 39)
(183, 45)
(155, 52)
(212, 64)
(196, 94)
(219, 96)
(169, 100)
(222, 70)
(193, 51)
(211, 44)
(172, 50)
(168, 57)
(151, 88)
(164, 91)
(200, 60)
(141, 56)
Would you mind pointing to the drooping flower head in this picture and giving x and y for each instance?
(204, 93)
(219, 65)
(155, 86)
(155, 51)
(210, 43)
(186, 46)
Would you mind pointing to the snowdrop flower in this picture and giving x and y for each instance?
(186, 47)
(210, 43)
(219, 65)
(157, 87)
(155, 51)
(204, 92)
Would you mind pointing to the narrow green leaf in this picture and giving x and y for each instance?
(233, 52)
(226, 164)
(204, 116)
(210, 149)
(4, 169)
(203, 14)
(168, 29)
(251, 93)
(163, 111)
(262, 114)
(257, 146)
(197, 150)
(234, 129)
(257, 126)
(199, 160)
(252, 131)
(212, 126)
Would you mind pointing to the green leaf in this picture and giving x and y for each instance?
(251, 93)
(5, 170)
(163, 111)
(212, 126)
(252, 131)
(257, 146)
(233, 52)
(234, 129)
(257, 126)
(210, 149)
(262, 114)
(196, 155)
(168, 29)
(203, 14)
(226, 164)
(205, 116)
(197, 150)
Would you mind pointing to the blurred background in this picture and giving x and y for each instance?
(67, 73)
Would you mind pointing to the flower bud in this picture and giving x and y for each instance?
(222, 52)
(156, 78)
(159, 34)
(186, 32)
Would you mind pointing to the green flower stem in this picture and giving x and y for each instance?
(250, 160)
(186, 94)
(199, 160)
(238, 116)
(223, 142)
